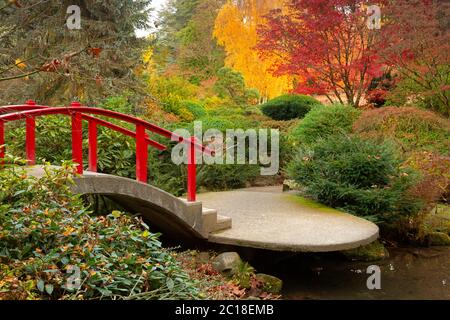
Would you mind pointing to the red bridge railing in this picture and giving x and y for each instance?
(78, 113)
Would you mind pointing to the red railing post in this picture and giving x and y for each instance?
(30, 137)
(141, 154)
(30, 140)
(2, 140)
(92, 146)
(77, 138)
(192, 171)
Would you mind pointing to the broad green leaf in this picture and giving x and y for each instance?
(49, 288)
(40, 285)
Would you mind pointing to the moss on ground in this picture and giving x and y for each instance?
(270, 283)
(312, 204)
(372, 252)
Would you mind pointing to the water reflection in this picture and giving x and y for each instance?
(409, 273)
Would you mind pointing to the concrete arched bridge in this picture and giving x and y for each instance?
(262, 217)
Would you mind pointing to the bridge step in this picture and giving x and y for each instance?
(213, 222)
(223, 223)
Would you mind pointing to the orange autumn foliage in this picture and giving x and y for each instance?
(236, 30)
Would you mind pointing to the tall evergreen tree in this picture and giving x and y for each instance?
(184, 38)
(171, 19)
(198, 53)
(42, 59)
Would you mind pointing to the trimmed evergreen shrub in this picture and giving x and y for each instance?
(289, 106)
(358, 176)
(223, 123)
(325, 121)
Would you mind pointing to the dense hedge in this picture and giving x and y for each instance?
(356, 175)
(326, 121)
(289, 107)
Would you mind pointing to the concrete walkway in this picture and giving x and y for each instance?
(269, 219)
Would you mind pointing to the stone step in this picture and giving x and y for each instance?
(209, 220)
(209, 212)
(213, 222)
(222, 223)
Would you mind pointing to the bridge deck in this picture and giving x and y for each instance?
(269, 219)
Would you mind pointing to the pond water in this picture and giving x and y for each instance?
(409, 273)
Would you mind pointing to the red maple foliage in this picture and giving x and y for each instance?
(327, 44)
(415, 42)
(377, 97)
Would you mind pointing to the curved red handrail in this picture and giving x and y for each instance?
(101, 122)
(124, 131)
(21, 107)
(78, 113)
(37, 111)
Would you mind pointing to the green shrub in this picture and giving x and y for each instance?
(225, 177)
(252, 111)
(53, 138)
(356, 175)
(290, 106)
(116, 154)
(118, 104)
(411, 128)
(223, 123)
(287, 142)
(230, 84)
(285, 127)
(45, 230)
(197, 109)
(326, 121)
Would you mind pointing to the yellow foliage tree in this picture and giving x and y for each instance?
(236, 30)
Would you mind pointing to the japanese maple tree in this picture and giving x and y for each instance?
(327, 44)
(415, 44)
